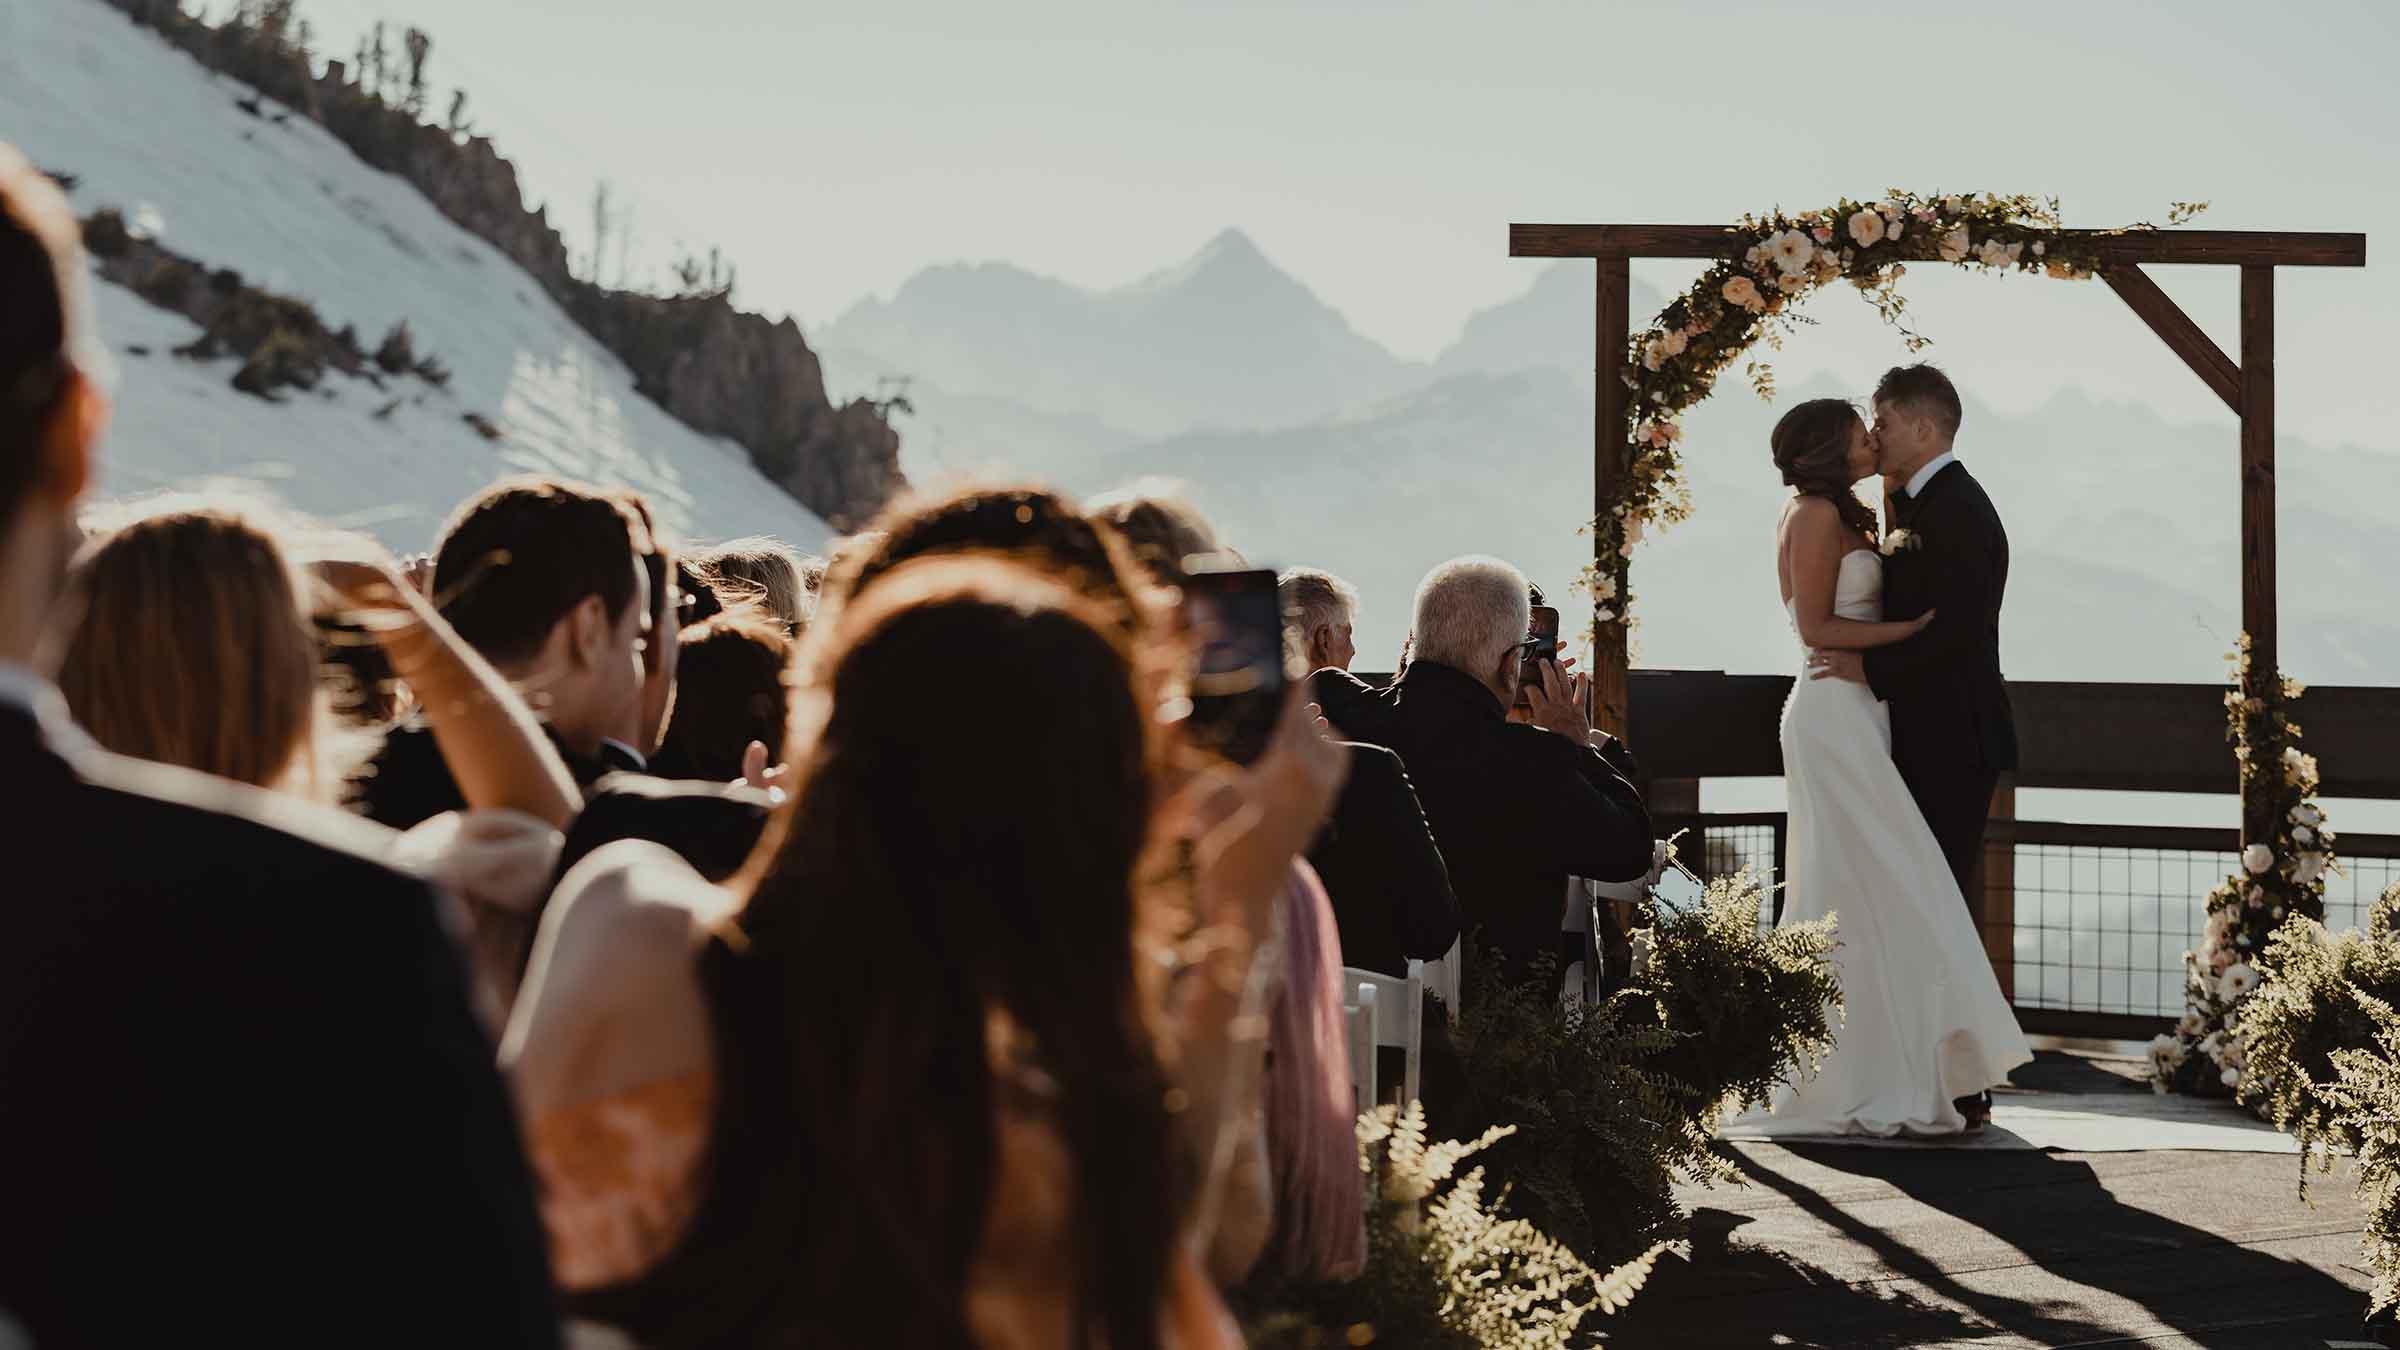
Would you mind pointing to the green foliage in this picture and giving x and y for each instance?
(1445, 1269)
(2323, 994)
(1599, 1138)
(2365, 1096)
(1749, 1007)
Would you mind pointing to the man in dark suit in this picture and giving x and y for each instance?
(243, 1093)
(1516, 808)
(1953, 734)
(1382, 869)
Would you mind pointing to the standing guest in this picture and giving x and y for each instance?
(1319, 1227)
(730, 696)
(547, 580)
(924, 1047)
(767, 572)
(1321, 608)
(211, 592)
(671, 607)
(214, 1005)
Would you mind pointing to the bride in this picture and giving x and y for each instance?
(1924, 1022)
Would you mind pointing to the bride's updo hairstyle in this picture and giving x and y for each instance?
(1812, 449)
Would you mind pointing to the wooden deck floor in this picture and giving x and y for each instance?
(1831, 1246)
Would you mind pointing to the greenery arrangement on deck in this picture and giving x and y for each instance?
(1586, 1116)
(2281, 878)
(1777, 260)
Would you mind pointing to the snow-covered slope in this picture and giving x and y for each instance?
(146, 129)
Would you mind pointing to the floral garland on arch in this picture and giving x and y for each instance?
(1749, 297)
(2280, 878)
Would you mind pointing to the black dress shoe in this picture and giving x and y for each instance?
(1977, 1109)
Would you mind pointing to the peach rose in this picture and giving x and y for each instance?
(1867, 227)
(1744, 292)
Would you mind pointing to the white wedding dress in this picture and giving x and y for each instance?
(1923, 1020)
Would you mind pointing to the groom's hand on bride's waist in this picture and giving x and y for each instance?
(1837, 665)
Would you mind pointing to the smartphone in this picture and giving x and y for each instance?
(1239, 679)
(1542, 632)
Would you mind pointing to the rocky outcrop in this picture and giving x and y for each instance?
(717, 369)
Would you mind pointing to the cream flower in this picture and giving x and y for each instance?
(1992, 254)
(2231, 1078)
(1653, 352)
(1954, 244)
(2239, 979)
(2190, 1025)
(1605, 588)
(1675, 342)
(2308, 868)
(1867, 227)
(1897, 226)
(1744, 292)
(2303, 836)
(1790, 250)
(2040, 248)
(1792, 285)
(1822, 234)
(1950, 204)
(2306, 814)
(2258, 859)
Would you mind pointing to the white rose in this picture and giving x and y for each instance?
(2239, 979)
(1954, 244)
(2309, 868)
(2303, 835)
(1867, 227)
(1992, 254)
(1676, 342)
(2258, 859)
(1604, 589)
(2231, 1078)
(1897, 226)
(2015, 252)
(2040, 248)
(2190, 1025)
(1791, 250)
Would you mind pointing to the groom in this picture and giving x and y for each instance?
(1952, 731)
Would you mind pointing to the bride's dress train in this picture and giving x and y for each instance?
(1923, 1019)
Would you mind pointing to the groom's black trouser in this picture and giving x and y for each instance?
(1956, 800)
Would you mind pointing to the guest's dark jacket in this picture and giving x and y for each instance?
(243, 1094)
(409, 782)
(712, 825)
(1390, 890)
(1949, 702)
(1516, 809)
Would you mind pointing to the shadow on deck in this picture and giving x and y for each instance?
(1838, 1246)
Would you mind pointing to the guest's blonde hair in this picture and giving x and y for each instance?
(197, 649)
(766, 571)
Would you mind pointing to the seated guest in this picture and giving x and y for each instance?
(1516, 808)
(1318, 1227)
(1320, 607)
(547, 581)
(1390, 891)
(217, 1011)
(730, 695)
(925, 1047)
(767, 572)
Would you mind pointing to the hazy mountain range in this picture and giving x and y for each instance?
(1309, 443)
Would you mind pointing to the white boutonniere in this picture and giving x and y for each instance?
(1902, 541)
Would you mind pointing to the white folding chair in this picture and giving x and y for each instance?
(1383, 1010)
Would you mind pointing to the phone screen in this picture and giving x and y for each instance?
(1542, 631)
(1239, 677)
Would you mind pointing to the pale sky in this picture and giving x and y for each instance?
(1379, 152)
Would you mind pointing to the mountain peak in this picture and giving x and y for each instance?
(1231, 245)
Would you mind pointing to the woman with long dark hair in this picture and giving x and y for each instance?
(916, 1078)
(1924, 1023)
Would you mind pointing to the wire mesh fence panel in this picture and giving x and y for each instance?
(2097, 917)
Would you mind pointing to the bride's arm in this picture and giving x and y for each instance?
(1818, 541)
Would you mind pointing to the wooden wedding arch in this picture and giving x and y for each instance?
(2247, 385)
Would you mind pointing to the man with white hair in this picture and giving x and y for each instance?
(1321, 607)
(1516, 807)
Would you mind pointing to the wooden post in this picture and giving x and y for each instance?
(1998, 911)
(2258, 505)
(1613, 328)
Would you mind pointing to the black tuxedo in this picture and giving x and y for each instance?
(1952, 731)
(243, 1094)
